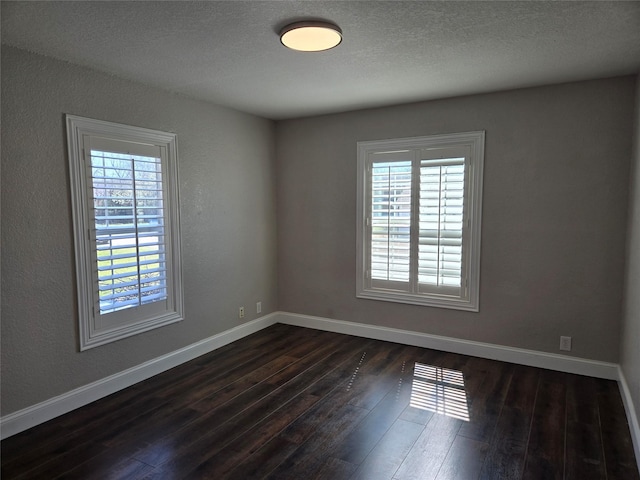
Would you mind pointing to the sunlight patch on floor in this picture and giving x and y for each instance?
(439, 390)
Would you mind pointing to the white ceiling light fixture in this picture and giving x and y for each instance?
(311, 36)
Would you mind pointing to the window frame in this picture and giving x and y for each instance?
(412, 147)
(96, 329)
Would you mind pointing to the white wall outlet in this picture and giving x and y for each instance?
(258, 307)
(565, 344)
(241, 312)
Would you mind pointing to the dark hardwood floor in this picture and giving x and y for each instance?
(294, 403)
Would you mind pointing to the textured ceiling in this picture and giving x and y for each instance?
(393, 52)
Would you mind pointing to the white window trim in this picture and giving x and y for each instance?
(92, 331)
(473, 218)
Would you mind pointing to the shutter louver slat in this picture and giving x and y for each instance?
(129, 230)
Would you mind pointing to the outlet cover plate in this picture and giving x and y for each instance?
(565, 344)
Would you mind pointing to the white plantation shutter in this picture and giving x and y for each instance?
(126, 224)
(390, 220)
(129, 230)
(419, 219)
(441, 224)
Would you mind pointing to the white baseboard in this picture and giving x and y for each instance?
(31, 416)
(632, 418)
(521, 356)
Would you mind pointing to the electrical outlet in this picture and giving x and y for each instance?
(241, 312)
(258, 307)
(565, 344)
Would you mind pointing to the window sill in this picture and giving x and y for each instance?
(437, 301)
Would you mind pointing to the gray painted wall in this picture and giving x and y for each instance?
(630, 338)
(554, 214)
(227, 187)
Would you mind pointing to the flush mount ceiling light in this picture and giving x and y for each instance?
(311, 36)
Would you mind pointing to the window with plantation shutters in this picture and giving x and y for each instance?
(127, 242)
(419, 208)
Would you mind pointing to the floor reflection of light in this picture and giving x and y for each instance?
(439, 390)
(355, 372)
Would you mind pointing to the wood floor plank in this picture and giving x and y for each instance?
(229, 369)
(230, 403)
(380, 374)
(235, 353)
(67, 446)
(21, 444)
(235, 451)
(335, 469)
(424, 460)
(66, 440)
(57, 463)
(485, 403)
(209, 442)
(362, 439)
(214, 394)
(326, 425)
(506, 455)
(546, 446)
(464, 459)
(111, 463)
(327, 411)
(281, 376)
(195, 441)
(162, 450)
(149, 426)
(584, 456)
(264, 460)
(364, 390)
(382, 356)
(310, 457)
(617, 444)
(389, 453)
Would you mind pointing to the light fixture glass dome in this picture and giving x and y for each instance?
(311, 36)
